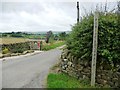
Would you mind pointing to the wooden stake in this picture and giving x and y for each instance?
(94, 50)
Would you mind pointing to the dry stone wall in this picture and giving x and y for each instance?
(17, 47)
(22, 46)
(82, 70)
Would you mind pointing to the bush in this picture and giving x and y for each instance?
(80, 40)
(5, 51)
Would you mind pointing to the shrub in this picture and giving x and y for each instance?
(5, 51)
(80, 40)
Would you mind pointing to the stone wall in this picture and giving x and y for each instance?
(13, 48)
(82, 70)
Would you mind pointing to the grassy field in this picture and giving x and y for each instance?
(12, 40)
(53, 45)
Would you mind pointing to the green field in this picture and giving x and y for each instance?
(12, 40)
(53, 45)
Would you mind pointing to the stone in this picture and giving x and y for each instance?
(67, 69)
(100, 67)
(1, 55)
(25, 52)
(104, 77)
(85, 77)
(115, 79)
(111, 84)
(75, 61)
(73, 65)
(89, 68)
(115, 75)
(108, 78)
(85, 63)
(65, 62)
(81, 62)
(101, 81)
(99, 76)
(72, 58)
(7, 55)
(88, 75)
(30, 51)
(86, 70)
(70, 63)
(117, 84)
(64, 59)
(69, 56)
(18, 53)
(63, 67)
(14, 54)
(64, 71)
(66, 66)
(104, 82)
(80, 69)
(80, 75)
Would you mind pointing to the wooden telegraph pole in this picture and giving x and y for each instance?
(94, 50)
(77, 12)
(106, 7)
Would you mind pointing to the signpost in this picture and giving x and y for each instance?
(94, 50)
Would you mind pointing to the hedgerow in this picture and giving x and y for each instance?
(80, 39)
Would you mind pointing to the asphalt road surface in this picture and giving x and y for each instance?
(29, 71)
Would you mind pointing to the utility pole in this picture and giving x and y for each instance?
(94, 50)
(106, 7)
(77, 12)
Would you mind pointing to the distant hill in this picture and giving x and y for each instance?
(44, 32)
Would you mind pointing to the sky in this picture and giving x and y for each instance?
(34, 16)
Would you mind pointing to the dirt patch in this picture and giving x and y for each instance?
(55, 68)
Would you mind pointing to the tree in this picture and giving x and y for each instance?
(48, 36)
(62, 35)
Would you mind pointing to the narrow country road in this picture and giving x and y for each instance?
(30, 71)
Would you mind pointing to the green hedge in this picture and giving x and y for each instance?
(80, 40)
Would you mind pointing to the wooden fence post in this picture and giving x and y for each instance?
(94, 50)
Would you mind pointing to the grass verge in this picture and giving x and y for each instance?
(61, 80)
(57, 79)
(53, 45)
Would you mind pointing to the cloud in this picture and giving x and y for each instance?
(26, 16)
(40, 16)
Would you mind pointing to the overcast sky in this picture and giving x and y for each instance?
(41, 16)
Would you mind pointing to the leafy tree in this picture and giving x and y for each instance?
(56, 37)
(62, 35)
(49, 36)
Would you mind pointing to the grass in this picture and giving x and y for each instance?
(61, 80)
(53, 45)
(57, 79)
(11, 40)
